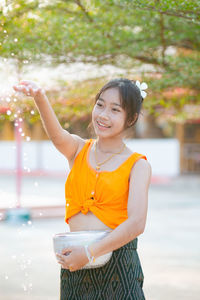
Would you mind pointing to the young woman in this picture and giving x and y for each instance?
(107, 189)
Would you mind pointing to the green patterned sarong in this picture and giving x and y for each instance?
(121, 278)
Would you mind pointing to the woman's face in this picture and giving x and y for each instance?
(108, 117)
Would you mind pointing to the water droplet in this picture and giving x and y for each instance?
(20, 119)
(22, 134)
(32, 112)
(8, 99)
(15, 40)
(8, 112)
(24, 287)
(20, 129)
(29, 223)
(15, 115)
(12, 54)
(28, 138)
(15, 100)
(5, 31)
(16, 124)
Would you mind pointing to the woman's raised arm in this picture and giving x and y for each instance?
(65, 142)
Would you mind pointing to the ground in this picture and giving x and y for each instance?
(169, 248)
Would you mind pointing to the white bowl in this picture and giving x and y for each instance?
(81, 238)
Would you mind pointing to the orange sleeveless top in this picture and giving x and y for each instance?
(104, 193)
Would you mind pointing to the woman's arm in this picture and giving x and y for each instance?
(137, 212)
(65, 142)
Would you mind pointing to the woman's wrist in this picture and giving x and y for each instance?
(40, 96)
(89, 254)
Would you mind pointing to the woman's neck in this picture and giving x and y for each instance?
(109, 145)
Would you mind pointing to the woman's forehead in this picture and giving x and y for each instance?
(110, 95)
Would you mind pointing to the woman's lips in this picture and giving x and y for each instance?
(102, 126)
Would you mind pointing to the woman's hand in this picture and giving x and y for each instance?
(29, 88)
(73, 258)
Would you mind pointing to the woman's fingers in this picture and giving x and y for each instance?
(17, 87)
(62, 260)
(21, 88)
(29, 88)
(66, 251)
(25, 82)
(26, 89)
(60, 257)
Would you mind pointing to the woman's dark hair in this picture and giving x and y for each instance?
(130, 97)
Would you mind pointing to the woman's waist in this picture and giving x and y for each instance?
(89, 221)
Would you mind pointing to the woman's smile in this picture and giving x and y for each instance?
(102, 126)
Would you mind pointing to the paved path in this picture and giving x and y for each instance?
(169, 249)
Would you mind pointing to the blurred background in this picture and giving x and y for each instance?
(72, 48)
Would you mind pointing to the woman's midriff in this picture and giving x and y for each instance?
(89, 221)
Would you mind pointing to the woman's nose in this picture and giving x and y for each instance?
(104, 115)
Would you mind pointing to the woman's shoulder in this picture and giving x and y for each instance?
(141, 168)
(139, 161)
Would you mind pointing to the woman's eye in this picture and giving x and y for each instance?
(99, 104)
(116, 109)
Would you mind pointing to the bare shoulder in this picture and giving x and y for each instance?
(141, 170)
(143, 163)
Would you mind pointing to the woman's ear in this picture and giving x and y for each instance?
(130, 123)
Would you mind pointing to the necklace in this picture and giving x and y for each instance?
(98, 164)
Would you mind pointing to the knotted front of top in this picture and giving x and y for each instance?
(87, 204)
(103, 193)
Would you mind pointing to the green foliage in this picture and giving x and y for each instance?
(124, 33)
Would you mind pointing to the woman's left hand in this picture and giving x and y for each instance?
(75, 259)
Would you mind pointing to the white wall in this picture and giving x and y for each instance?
(163, 155)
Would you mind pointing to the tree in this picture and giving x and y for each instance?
(125, 33)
